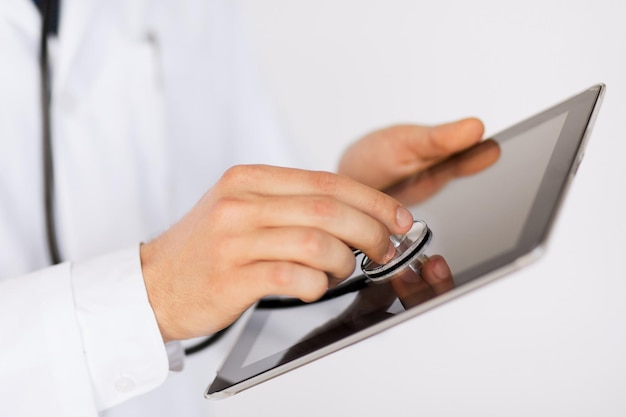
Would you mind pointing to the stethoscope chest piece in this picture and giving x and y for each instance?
(409, 254)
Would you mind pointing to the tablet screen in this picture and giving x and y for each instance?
(487, 208)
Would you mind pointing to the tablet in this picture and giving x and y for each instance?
(489, 209)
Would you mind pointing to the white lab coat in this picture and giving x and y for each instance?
(152, 101)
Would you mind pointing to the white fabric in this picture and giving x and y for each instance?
(112, 309)
(152, 101)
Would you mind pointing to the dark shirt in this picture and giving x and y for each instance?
(54, 10)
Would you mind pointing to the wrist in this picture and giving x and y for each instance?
(153, 279)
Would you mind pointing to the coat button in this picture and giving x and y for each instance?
(124, 384)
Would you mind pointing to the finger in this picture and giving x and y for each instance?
(349, 225)
(435, 278)
(304, 245)
(426, 184)
(346, 223)
(411, 289)
(436, 272)
(441, 141)
(476, 159)
(276, 181)
(290, 279)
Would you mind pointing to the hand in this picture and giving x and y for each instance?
(263, 231)
(387, 156)
(413, 289)
(424, 185)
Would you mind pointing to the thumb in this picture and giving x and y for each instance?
(391, 154)
(423, 144)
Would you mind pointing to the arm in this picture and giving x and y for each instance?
(64, 351)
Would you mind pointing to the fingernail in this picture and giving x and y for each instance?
(404, 218)
(440, 269)
(391, 252)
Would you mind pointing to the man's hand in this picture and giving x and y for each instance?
(263, 231)
(387, 156)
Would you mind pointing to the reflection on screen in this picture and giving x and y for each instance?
(458, 213)
(280, 331)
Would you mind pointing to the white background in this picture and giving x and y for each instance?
(549, 340)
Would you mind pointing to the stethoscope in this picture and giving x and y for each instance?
(410, 247)
(50, 14)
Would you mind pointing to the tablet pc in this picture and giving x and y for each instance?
(490, 210)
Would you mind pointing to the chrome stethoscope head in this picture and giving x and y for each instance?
(409, 255)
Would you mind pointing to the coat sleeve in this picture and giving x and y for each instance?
(78, 338)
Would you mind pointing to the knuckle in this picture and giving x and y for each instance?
(239, 174)
(281, 275)
(289, 279)
(379, 203)
(326, 182)
(234, 174)
(227, 209)
(324, 208)
(311, 242)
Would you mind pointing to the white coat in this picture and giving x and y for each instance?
(152, 101)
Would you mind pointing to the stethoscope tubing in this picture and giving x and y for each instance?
(47, 11)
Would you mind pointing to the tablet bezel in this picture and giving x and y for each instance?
(582, 111)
